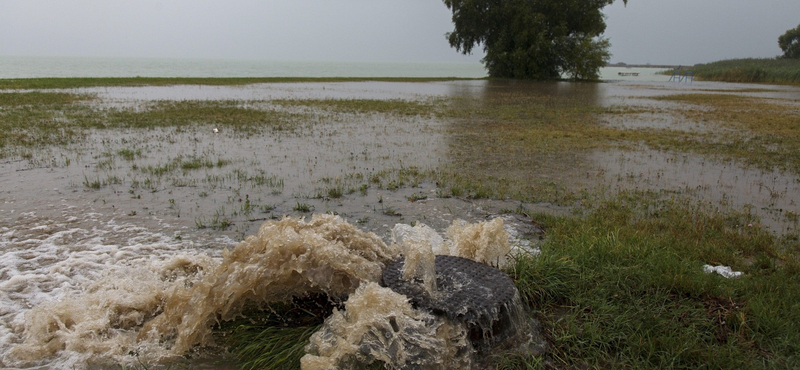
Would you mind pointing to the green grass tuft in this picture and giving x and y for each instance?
(271, 347)
(275, 338)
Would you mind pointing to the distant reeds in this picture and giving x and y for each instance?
(774, 71)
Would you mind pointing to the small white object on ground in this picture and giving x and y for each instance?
(725, 271)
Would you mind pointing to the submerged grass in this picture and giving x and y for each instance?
(45, 118)
(362, 106)
(759, 132)
(241, 117)
(38, 98)
(29, 119)
(501, 145)
(271, 347)
(624, 287)
(275, 338)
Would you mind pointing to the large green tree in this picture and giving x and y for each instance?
(790, 43)
(533, 39)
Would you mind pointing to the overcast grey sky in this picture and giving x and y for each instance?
(646, 31)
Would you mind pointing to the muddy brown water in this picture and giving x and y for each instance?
(71, 217)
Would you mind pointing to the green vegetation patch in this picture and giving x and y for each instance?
(38, 98)
(773, 71)
(225, 115)
(274, 338)
(624, 287)
(37, 118)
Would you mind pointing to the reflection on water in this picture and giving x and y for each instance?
(72, 217)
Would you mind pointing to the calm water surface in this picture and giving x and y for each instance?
(33, 67)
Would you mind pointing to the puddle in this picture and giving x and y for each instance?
(83, 221)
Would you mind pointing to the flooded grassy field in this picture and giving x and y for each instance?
(119, 183)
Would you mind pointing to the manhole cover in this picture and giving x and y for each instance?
(467, 291)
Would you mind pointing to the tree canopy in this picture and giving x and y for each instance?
(790, 43)
(533, 39)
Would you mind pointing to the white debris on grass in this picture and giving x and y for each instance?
(725, 271)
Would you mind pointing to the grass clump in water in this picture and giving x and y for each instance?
(624, 287)
(275, 338)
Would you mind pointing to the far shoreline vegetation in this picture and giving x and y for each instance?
(781, 71)
(776, 71)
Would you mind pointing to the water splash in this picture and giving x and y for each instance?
(100, 324)
(436, 315)
(168, 307)
(288, 258)
(381, 326)
(485, 242)
(419, 264)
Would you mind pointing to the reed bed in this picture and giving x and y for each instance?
(772, 71)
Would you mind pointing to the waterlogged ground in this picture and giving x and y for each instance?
(116, 184)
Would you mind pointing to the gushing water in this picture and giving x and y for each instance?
(380, 325)
(169, 307)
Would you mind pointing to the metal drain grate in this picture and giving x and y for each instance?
(467, 291)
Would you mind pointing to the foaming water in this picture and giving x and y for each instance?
(159, 301)
(288, 258)
(436, 326)
(380, 325)
(73, 288)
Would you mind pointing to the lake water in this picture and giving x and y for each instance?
(35, 67)
(32, 67)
